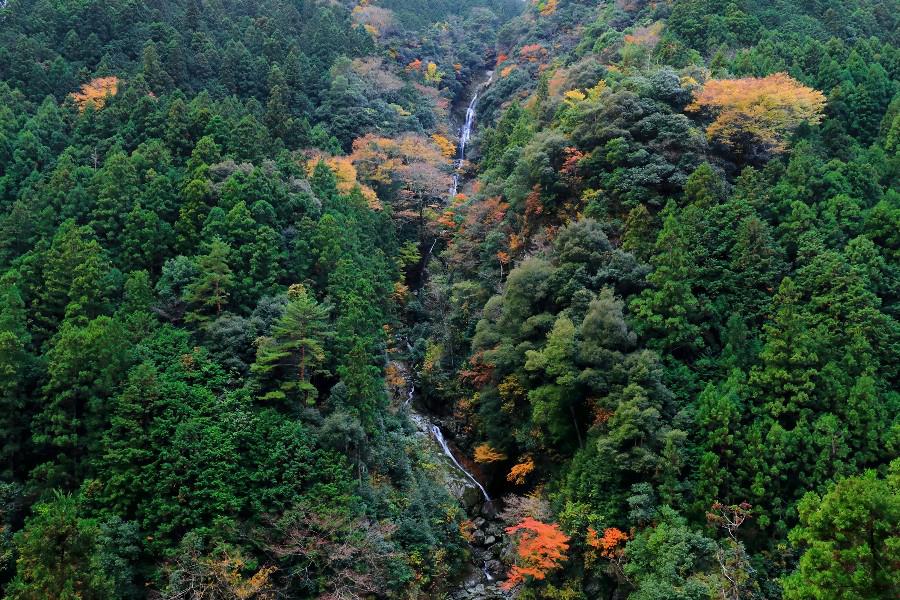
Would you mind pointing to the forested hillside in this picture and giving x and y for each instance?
(198, 292)
(658, 322)
(667, 313)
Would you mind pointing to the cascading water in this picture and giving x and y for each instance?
(465, 134)
(481, 556)
(439, 437)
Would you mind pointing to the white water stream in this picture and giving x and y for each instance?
(438, 436)
(465, 134)
(422, 421)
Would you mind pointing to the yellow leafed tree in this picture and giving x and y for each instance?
(520, 471)
(432, 75)
(346, 175)
(95, 91)
(448, 148)
(766, 109)
(485, 454)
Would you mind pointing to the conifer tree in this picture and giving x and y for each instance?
(16, 366)
(210, 292)
(668, 311)
(295, 350)
(60, 555)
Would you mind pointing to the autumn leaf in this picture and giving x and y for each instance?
(520, 471)
(432, 75)
(484, 453)
(448, 148)
(573, 97)
(532, 52)
(95, 91)
(540, 549)
(767, 109)
(546, 7)
(608, 543)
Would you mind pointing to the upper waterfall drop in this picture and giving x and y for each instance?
(465, 133)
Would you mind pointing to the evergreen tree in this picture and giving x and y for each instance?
(73, 271)
(210, 291)
(57, 530)
(296, 345)
(16, 366)
(668, 310)
(85, 364)
(154, 74)
(117, 192)
(850, 540)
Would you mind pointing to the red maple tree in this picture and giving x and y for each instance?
(541, 548)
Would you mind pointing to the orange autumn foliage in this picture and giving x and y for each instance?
(409, 169)
(540, 548)
(346, 175)
(95, 91)
(520, 471)
(573, 157)
(466, 530)
(532, 52)
(394, 377)
(546, 7)
(646, 36)
(448, 148)
(608, 544)
(400, 293)
(387, 161)
(484, 453)
(223, 576)
(447, 220)
(374, 19)
(767, 108)
(479, 372)
(602, 415)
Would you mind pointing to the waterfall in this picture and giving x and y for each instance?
(439, 436)
(465, 134)
(425, 424)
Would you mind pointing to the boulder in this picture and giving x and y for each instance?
(478, 537)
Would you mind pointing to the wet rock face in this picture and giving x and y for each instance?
(463, 490)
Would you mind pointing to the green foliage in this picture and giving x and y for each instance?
(670, 321)
(57, 529)
(849, 540)
(669, 560)
(296, 344)
(150, 243)
(196, 311)
(209, 293)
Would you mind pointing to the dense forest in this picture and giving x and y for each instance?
(657, 322)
